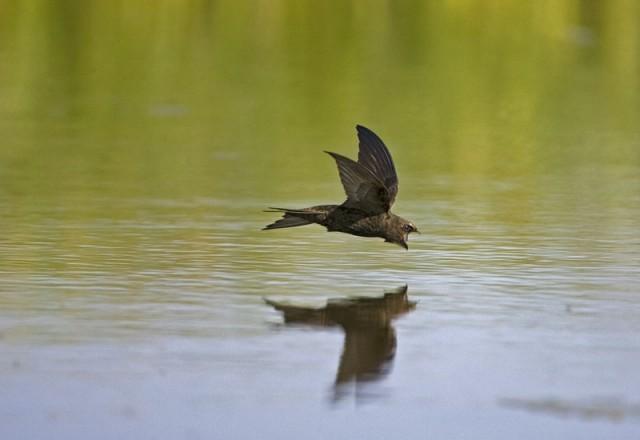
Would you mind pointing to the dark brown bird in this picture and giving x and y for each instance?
(371, 185)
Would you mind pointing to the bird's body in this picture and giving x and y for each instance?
(340, 218)
(371, 185)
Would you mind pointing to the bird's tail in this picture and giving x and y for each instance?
(291, 218)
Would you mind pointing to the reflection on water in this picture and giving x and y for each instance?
(612, 408)
(370, 339)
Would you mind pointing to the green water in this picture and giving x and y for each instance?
(140, 143)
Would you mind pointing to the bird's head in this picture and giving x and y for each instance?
(399, 230)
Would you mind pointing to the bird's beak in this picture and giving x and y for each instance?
(417, 232)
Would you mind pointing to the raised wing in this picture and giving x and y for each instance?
(375, 156)
(364, 190)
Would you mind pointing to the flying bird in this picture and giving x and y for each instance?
(371, 185)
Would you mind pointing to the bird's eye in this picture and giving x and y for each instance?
(407, 228)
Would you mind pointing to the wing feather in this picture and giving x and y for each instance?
(375, 156)
(364, 190)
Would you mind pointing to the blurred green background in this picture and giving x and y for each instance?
(106, 107)
(207, 98)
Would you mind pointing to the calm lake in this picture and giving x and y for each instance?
(140, 144)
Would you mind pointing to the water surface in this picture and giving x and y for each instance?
(140, 146)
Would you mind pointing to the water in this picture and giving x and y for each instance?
(141, 146)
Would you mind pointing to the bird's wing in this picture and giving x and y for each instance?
(364, 190)
(375, 156)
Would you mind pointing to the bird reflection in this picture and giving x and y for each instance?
(370, 339)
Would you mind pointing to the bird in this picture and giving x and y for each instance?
(371, 186)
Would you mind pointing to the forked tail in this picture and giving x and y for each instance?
(290, 219)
